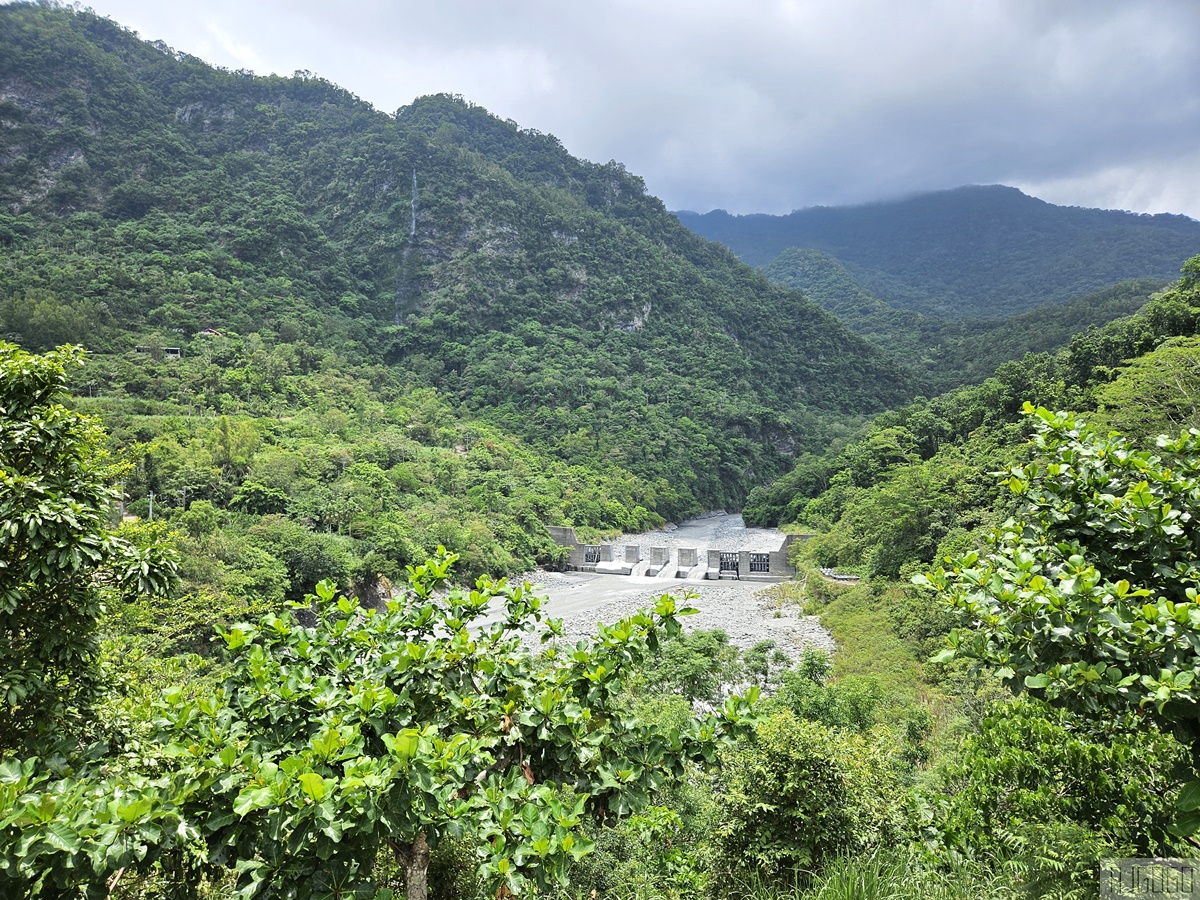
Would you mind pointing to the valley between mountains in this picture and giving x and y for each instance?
(296, 394)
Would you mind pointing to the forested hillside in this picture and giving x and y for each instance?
(917, 484)
(948, 353)
(318, 748)
(981, 252)
(150, 197)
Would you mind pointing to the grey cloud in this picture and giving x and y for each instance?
(770, 106)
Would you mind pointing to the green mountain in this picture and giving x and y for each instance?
(980, 252)
(827, 282)
(328, 340)
(950, 353)
(148, 198)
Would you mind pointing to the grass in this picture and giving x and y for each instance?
(867, 643)
(891, 875)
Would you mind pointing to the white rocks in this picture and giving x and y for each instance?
(740, 609)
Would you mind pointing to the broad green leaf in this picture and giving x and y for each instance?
(313, 785)
(131, 812)
(1189, 797)
(403, 746)
(251, 799)
(581, 848)
(1186, 824)
(61, 837)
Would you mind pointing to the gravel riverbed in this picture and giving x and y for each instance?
(740, 609)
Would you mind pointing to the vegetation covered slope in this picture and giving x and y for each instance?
(917, 484)
(274, 781)
(979, 252)
(150, 196)
(950, 353)
(354, 730)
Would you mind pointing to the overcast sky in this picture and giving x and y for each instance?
(771, 106)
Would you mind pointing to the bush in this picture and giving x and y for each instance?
(1031, 763)
(800, 793)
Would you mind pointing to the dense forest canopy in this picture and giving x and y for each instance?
(150, 198)
(916, 484)
(948, 353)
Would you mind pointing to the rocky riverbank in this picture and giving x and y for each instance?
(718, 531)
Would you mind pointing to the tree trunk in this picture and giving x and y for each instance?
(414, 858)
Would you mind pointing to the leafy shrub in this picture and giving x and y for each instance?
(1030, 763)
(798, 794)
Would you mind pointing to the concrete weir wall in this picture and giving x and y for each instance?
(588, 557)
(689, 562)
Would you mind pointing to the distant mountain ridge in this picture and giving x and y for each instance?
(983, 252)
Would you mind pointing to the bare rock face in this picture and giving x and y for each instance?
(26, 111)
(374, 593)
(206, 116)
(36, 104)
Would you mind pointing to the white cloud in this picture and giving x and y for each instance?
(242, 55)
(1155, 186)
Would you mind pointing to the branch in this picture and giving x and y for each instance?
(500, 762)
(112, 882)
(402, 853)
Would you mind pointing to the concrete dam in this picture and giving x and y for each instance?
(717, 547)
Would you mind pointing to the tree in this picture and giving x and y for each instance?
(1027, 766)
(1157, 391)
(1088, 599)
(695, 665)
(233, 445)
(259, 499)
(59, 553)
(765, 660)
(309, 556)
(200, 519)
(367, 729)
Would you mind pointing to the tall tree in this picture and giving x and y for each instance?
(59, 553)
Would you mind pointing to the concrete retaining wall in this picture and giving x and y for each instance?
(583, 557)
